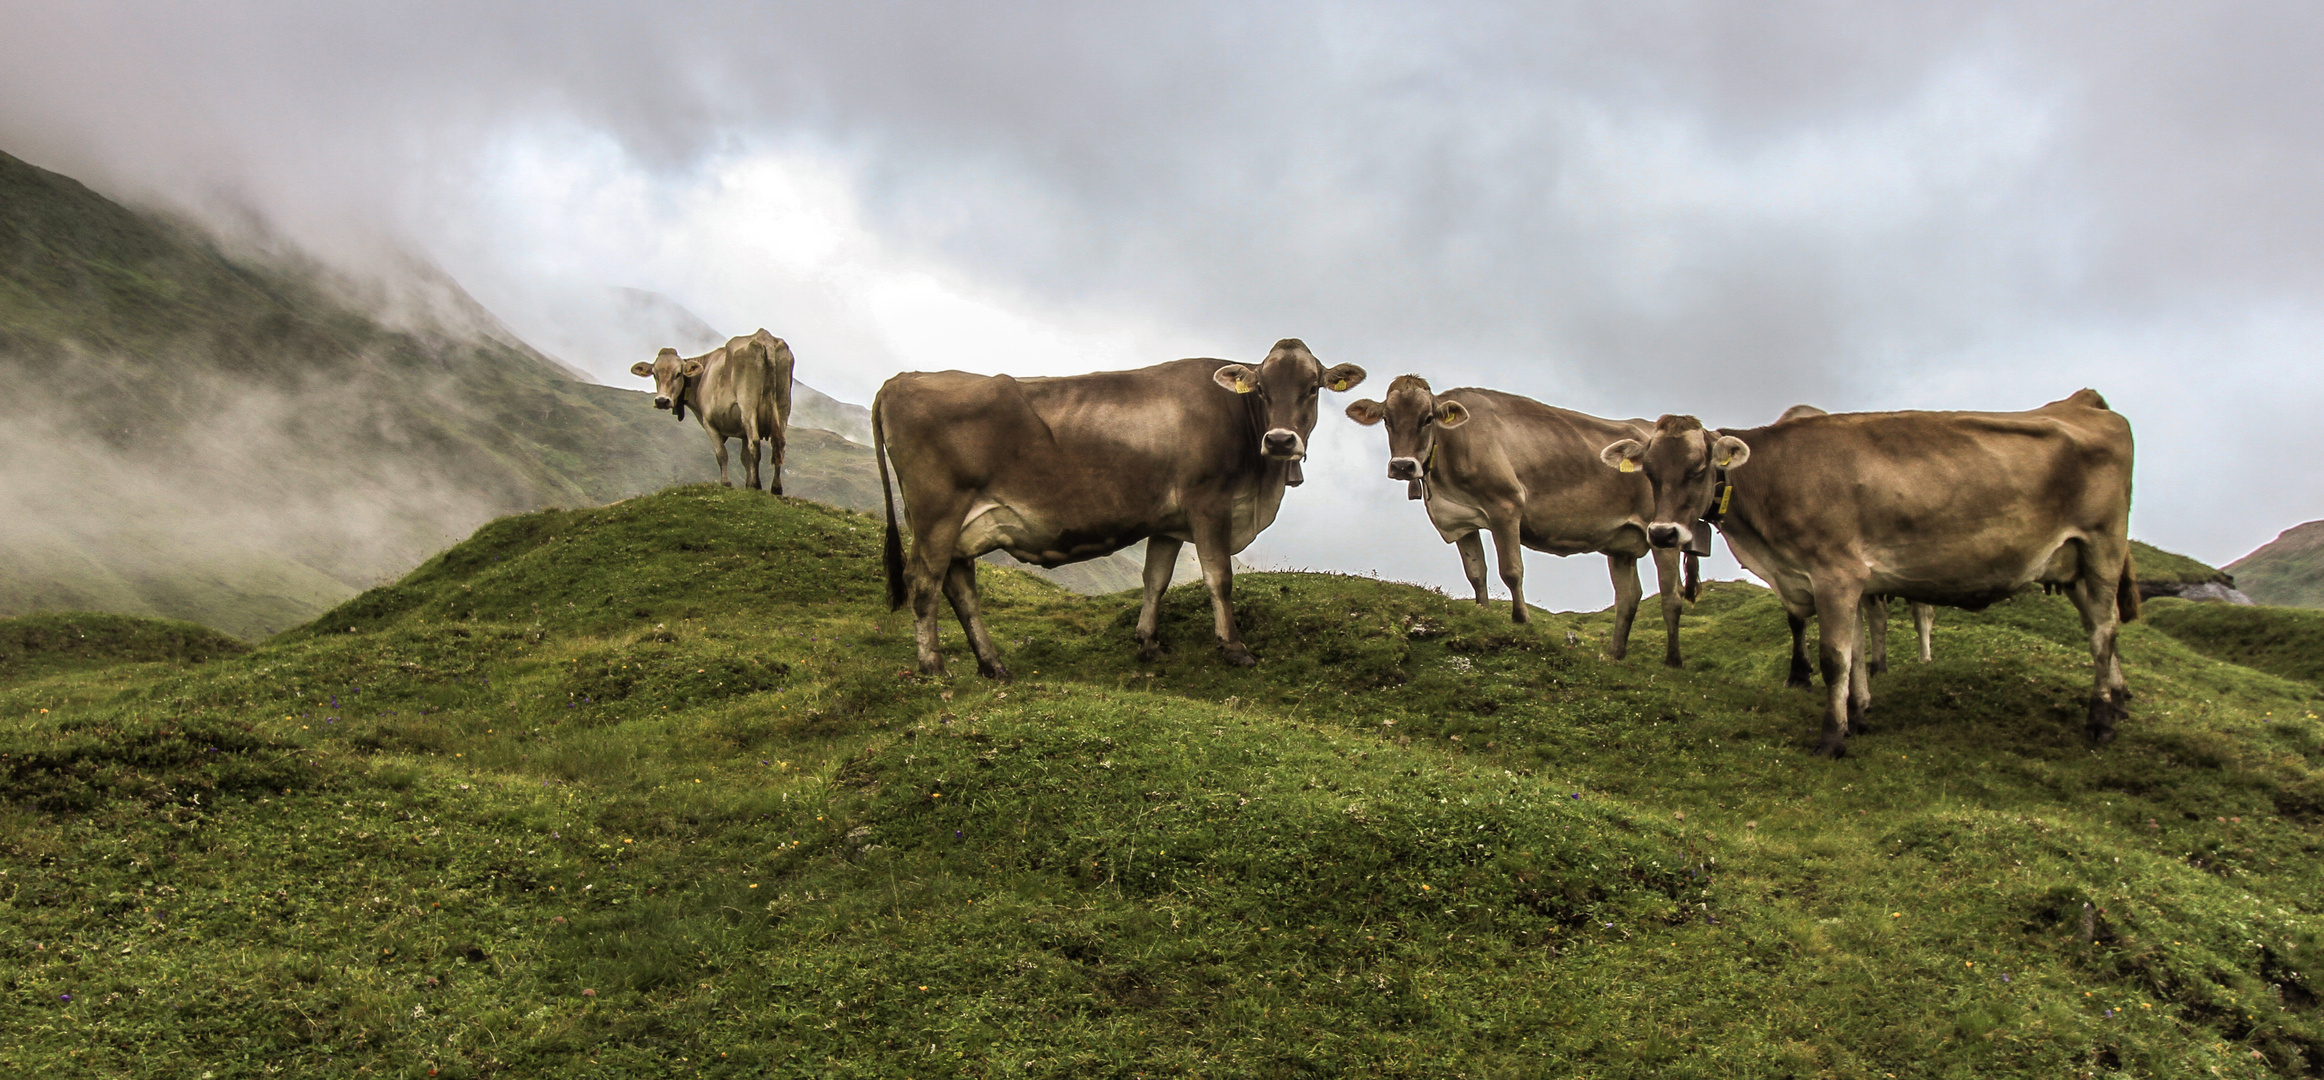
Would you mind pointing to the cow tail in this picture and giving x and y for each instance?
(2126, 593)
(1693, 589)
(892, 552)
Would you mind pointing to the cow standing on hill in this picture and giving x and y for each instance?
(1529, 474)
(1059, 470)
(1954, 508)
(740, 390)
(1924, 616)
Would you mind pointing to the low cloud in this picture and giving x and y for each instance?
(1624, 209)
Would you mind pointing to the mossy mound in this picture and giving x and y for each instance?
(653, 787)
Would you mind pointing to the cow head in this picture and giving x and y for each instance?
(669, 373)
(1414, 415)
(1684, 463)
(1283, 387)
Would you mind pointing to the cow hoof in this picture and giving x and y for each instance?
(1834, 747)
(1149, 651)
(1237, 655)
(1517, 614)
(1878, 668)
(995, 672)
(1800, 679)
(1671, 660)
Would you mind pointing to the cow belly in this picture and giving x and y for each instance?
(1976, 588)
(995, 526)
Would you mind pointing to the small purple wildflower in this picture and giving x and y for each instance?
(2004, 976)
(64, 997)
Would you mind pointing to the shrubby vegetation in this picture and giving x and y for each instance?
(650, 790)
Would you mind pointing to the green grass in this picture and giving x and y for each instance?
(2156, 566)
(650, 790)
(2280, 641)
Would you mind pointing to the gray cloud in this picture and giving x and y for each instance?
(1626, 208)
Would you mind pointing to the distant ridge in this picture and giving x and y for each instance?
(2287, 571)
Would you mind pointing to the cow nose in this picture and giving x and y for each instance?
(661, 402)
(1403, 468)
(1280, 443)
(1662, 535)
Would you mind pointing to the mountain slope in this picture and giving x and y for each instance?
(2287, 571)
(242, 438)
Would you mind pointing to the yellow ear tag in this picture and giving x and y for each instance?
(1726, 495)
(1340, 385)
(1627, 466)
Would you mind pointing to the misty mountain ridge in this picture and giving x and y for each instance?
(243, 437)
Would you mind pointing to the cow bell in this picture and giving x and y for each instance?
(1416, 489)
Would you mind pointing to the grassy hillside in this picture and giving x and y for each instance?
(2280, 641)
(649, 789)
(2158, 567)
(2287, 571)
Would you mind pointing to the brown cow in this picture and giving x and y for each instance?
(740, 390)
(1059, 470)
(1924, 616)
(1954, 508)
(1528, 473)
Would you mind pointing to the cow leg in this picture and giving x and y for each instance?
(1512, 552)
(1161, 562)
(1667, 571)
(960, 588)
(718, 443)
(1872, 612)
(1624, 569)
(926, 570)
(1218, 572)
(2094, 596)
(1924, 620)
(1876, 635)
(777, 441)
(1801, 677)
(1472, 549)
(1837, 654)
(750, 448)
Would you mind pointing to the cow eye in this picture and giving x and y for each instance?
(1426, 419)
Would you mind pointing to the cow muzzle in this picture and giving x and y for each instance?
(1283, 444)
(1403, 468)
(1665, 534)
(661, 402)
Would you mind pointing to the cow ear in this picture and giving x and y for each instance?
(1729, 452)
(1451, 414)
(642, 369)
(1236, 377)
(1367, 412)
(1343, 378)
(691, 368)
(1623, 455)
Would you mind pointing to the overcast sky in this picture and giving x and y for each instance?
(1625, 208)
